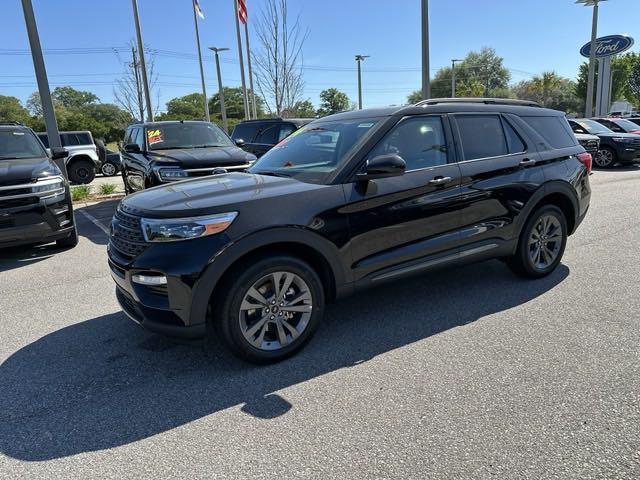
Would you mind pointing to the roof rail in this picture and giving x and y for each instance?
(486, 101)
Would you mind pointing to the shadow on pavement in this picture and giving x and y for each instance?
(105, 382)
(102, 212)
(16, 257)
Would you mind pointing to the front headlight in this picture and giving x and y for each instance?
(172, 174)
(176, 229)
(624, 140)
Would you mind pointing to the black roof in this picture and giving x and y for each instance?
(164, 122)
(296, 121)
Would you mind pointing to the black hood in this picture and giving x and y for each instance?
(25, 170)
(201, 157)
(213, 194)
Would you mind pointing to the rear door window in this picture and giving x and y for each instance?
(286, 129)
(269, 135)
(552, 129)
(84, 139)
(481, 136)
(245, 131)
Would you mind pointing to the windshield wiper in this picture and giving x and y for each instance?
(272, 174)
(209, 146)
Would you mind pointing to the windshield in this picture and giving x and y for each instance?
(19, 144)
(593, 127)
(626, 124)
(186, 135)
(316, 151)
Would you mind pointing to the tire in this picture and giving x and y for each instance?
(606, 158)
(70, 241)
(255, 334)
(545, 232)
(108, 169)
(81, 171)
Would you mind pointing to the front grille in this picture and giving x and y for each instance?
(201, 172)
(126, 235)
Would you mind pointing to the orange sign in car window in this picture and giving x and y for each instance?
(154, 136)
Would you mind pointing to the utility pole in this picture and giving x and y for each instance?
(136, 74)
(253, 93)
(247, 116)
(426, 87)
(143, 65)
(223, 108)
(453, 76)
(588, 111)
(204, 88)
(43, 83)
(360, 59)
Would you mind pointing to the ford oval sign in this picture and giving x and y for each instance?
(609, 45)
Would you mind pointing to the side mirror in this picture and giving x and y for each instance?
(383, 166)
(239, 142)
(132, 148)
(58, 152)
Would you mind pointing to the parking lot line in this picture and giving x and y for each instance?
(95, 221)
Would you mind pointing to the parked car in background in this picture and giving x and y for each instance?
(350, 201)
(111, 164)
(160, 152)
(259, 136)
(619, 125)
(635, 120)
(614, 147)
(83, 159)
(591, 143)
(35, 202)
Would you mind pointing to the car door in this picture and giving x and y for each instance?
(500, 171)
(396, 223)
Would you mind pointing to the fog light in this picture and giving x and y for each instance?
(154, 280)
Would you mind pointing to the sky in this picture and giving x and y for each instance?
(531, 35)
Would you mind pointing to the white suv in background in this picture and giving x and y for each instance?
(83, 155)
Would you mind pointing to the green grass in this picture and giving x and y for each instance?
(80, 192)
(107, 188)
(113, 146)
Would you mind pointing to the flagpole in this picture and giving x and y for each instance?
(241, 60)
(253, 93)
(204, 88)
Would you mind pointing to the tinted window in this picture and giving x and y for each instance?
(163, 136)
(514, 142)
(592, 127)
(245, 131)
(138, 137)
(286, 129)
(420, 141)
(553, 130)
(19, 144)
(577, 128)
(127, 137)
(44, 139)
(268, 135)
(84, 139)
(611, 125)
(481, 136)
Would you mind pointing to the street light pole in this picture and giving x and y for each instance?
(143, 64)
(43, 83)
(588, 111)
(223, 108)
(204, 88)
(245, 98)
(426, 87)
(453, 76)
(359, 59)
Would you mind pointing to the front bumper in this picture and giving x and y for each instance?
(629, 155)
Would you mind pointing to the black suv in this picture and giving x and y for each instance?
(35, 203)
(259, 136)
(614, 147)
(161, 152)
(351, 201)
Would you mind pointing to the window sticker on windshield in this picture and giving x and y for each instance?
(154, 136)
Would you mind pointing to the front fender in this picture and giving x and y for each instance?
(93, 156)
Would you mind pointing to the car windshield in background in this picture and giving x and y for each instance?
(626, 124)
(186, 135)
(593, 127)
(19, 144)
(315, 151)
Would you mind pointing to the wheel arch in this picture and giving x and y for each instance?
(561, 195)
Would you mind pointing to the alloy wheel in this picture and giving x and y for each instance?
(108, 169)
(604, 158)
(275, 310)
(545, 242)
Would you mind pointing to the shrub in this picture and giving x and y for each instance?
(80, 192)
(107, 188)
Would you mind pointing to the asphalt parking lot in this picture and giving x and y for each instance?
(466, 373)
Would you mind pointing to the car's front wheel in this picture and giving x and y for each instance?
(605, 158)
(108, 169)
(542, 243)
(81, 172)
(270, 309)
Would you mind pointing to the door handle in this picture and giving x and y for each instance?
(527, 162)
(440, 180)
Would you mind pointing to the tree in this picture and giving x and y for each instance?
(471, 87)
(278, 57)
(550, 90)
(302, 109)
(69, 97)
(11, 110)
(187, 107)
(333, 101)
(233, 103)
(128, 92)
(414, 97)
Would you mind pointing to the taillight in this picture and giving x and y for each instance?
(586, 159)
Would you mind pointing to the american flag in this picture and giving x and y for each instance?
(242, 11)
(199, 11)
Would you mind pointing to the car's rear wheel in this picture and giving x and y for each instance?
(270, 309)
(605, 158)
(542, 243)
(108, 169)
(81, 171)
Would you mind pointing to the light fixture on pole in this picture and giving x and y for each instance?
(453, 76)
(588, 111)
(223, 108)
(360, 59)
(426, 86)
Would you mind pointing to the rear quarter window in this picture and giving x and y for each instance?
(245, 131)
(553, 129)
(84, 138)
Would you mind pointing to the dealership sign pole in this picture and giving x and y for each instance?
(603, 49)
